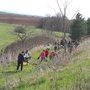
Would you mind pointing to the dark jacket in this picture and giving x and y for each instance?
(20, 58)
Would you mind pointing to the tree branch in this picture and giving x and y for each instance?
(59, 7)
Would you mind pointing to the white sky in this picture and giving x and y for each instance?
(44, 7)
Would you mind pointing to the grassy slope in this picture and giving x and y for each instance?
(74, 76)
(7, 36)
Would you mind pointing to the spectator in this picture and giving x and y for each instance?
(20, 60)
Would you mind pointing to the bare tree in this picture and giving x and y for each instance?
(63, 12)
(21, 32)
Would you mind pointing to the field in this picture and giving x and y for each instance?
(74, 75)
(7, 36)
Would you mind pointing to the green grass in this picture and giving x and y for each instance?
(7, 36)
(74, 76)
(60, 34)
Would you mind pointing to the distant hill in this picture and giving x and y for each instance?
(19, 19)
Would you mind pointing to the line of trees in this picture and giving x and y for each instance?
(78, 27)
(54, 23)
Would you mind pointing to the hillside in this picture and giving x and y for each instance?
(71, 72)
(12, 18)
(10, 44)
(6, 35)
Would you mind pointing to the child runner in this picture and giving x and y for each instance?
(42, 55)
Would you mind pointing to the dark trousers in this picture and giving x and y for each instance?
(20, 64)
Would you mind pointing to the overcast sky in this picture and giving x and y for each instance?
(45, 7)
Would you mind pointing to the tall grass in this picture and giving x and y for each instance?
(74, 76)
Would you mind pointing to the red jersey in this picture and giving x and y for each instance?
(42, 55)
(46, 52)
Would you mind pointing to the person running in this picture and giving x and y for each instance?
(53, 54)
(42, 55)
(46, 52)
(70, 46)
(76, 44)
(63, 42)
(55, 46)
(20, 60)
(48, 46)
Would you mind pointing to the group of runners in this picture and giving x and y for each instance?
(47, 52)
(24, 57)
(70, 46)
